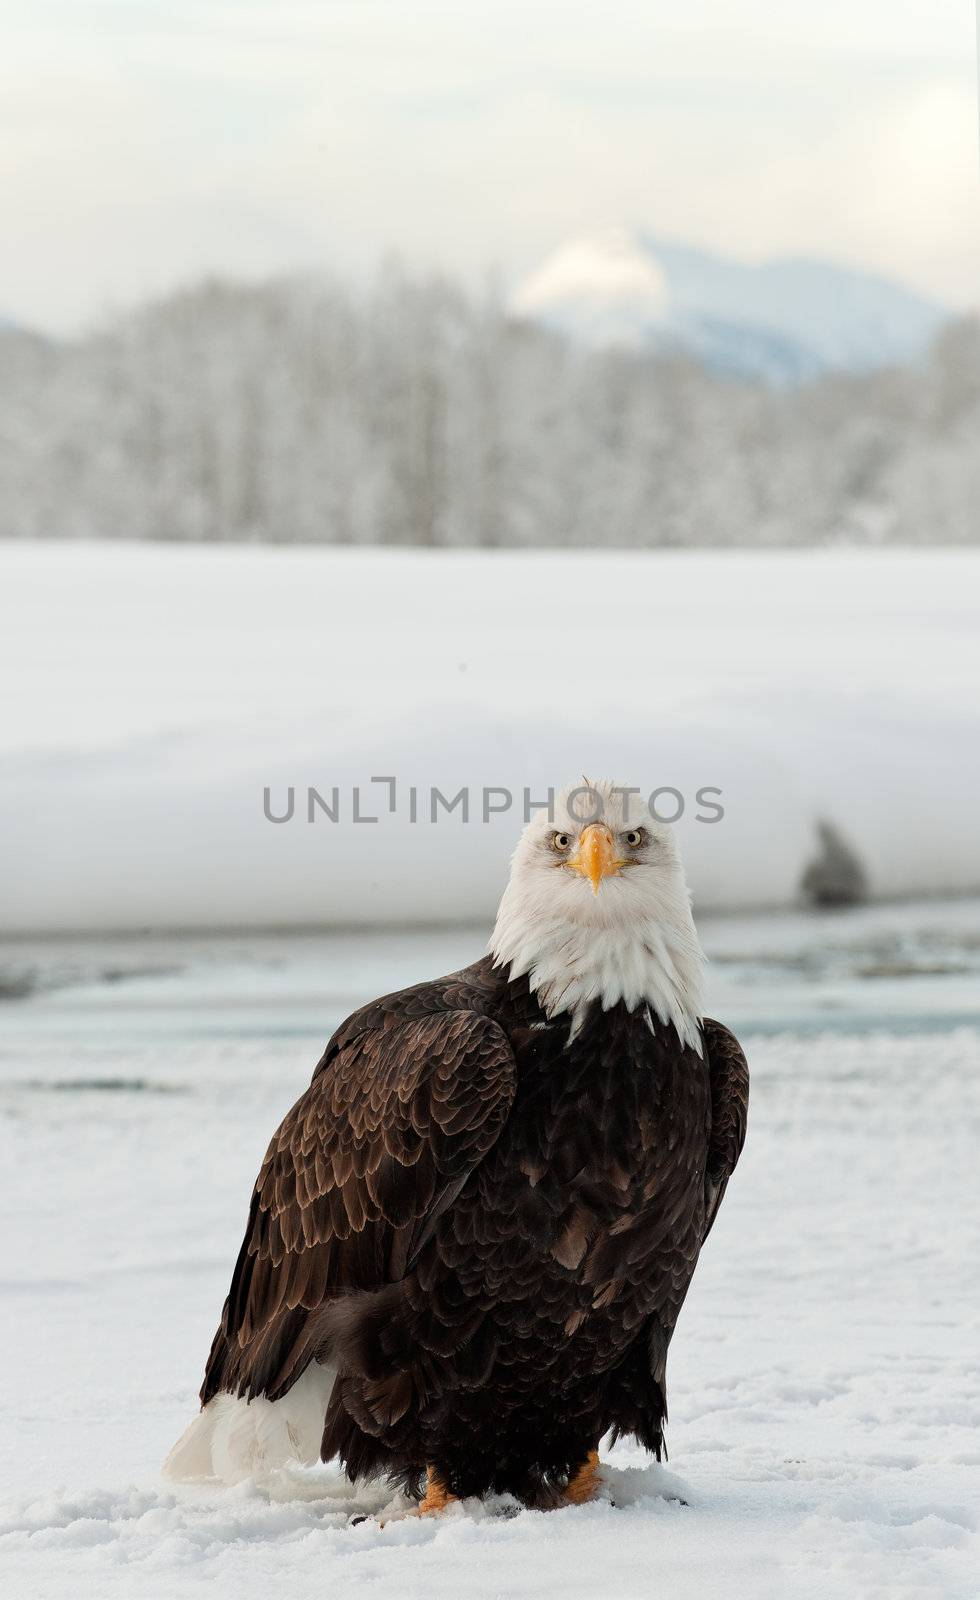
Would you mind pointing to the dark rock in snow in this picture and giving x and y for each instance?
(835, 876)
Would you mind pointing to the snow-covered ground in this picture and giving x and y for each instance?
(824, 1381)
(148, 695)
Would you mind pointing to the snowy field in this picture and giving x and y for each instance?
(148, 695)
(824, 1380)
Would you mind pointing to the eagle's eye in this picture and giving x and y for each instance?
(560, 841)
(635, 838)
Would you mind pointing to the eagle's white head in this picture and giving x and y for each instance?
(597, 908)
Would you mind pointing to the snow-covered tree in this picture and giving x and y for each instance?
(413, 413)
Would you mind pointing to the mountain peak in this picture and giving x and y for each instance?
(606, 283)
(778, 320)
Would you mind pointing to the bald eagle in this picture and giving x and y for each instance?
(471, 1237)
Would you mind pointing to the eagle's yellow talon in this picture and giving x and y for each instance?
(585, 1483)
(436, 1497)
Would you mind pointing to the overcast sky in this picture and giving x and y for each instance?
(143, 142)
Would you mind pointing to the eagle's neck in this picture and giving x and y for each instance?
(568, 966)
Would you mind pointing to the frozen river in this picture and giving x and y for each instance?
(901, 967)
(825, 1377)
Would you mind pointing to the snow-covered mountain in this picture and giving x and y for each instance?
(780, 320)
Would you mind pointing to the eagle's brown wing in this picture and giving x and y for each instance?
(729, 1075)
(400, 1111)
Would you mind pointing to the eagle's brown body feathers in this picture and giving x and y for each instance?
(488, 1227)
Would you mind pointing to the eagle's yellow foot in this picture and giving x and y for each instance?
(584, 1484)
(436, 1497)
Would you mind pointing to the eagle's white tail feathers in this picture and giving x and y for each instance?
(233, 1439)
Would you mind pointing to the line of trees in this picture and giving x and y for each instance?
(415, 414)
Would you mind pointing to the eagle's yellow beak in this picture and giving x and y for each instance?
(596, 856)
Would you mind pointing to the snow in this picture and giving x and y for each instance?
(150, 693)
(824, 1381)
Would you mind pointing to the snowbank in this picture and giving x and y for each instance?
(150, 694)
